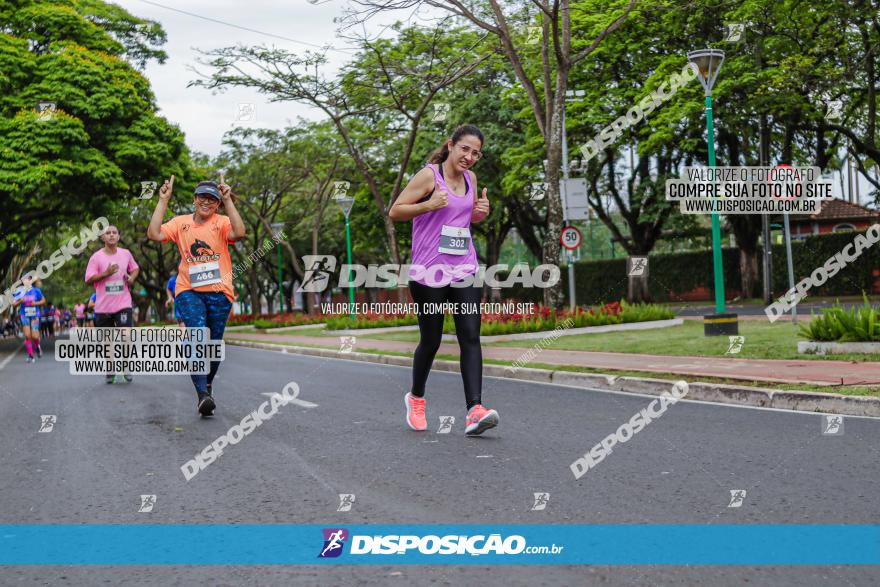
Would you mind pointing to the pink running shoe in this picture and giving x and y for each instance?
(415, 412)
(479, 419)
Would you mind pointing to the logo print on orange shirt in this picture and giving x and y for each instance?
(201, 252)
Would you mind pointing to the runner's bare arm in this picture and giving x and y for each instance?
(154, 230)
(132, 276)
(110, 270)
(481, 204)
(238, 229)
(406, 206)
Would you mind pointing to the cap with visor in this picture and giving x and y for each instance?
(208, 188)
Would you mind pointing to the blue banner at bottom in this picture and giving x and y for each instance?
(430, 544)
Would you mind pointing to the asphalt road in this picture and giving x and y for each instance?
(112, 443)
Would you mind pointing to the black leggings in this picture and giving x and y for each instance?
(467, 329)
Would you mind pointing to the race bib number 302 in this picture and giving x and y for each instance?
(204, 274)
(30, 311)
(454, 240)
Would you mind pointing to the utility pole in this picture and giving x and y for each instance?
(766, 257)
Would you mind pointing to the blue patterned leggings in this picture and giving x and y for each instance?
(200, 309)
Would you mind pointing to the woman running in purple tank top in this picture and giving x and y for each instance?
(442, 202)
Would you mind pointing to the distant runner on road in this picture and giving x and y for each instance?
(90, 310)
(112, 270)
(79, 315)
(169, 290)
(30, 298)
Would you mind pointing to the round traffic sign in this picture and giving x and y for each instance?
(570, 238)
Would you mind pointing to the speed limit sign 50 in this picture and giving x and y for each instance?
(570, 238)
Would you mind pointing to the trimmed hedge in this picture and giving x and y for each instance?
(856, 278)
(674, 274)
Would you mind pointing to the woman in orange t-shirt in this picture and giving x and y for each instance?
(204, 291)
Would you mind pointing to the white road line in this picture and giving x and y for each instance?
(9, 358)
(299, 402)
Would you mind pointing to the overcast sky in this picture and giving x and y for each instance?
(202, 116)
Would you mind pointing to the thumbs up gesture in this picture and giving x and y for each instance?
(481, 206)
(438, 200)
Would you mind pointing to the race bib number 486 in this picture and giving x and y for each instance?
(204, 274)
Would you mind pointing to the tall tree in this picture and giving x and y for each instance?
(562, 47)
(103, 137)
(383, 93)
(286, 177)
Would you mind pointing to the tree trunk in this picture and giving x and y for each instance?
(747, 229)
(748, 268)
(493, 252)
(143, 305)
(553, 296)
(637, 290)
(255, 292)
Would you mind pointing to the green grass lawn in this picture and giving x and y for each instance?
(762, 341)
(854, 299)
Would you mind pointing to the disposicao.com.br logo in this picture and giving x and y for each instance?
(430, 544)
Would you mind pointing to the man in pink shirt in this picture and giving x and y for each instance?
(112, 270)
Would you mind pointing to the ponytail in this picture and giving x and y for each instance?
(440, 155)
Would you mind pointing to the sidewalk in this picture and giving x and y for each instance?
(818, 372)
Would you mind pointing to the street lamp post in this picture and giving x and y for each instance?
(345, 203)
(707, 63)
(278, 226)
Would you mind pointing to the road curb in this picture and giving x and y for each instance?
(797, 401)
(838, 348)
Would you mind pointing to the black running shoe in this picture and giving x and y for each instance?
(109, 379)
(39, 352)
(127, 378)
(206, 404)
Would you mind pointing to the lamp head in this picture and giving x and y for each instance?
(707, 64)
